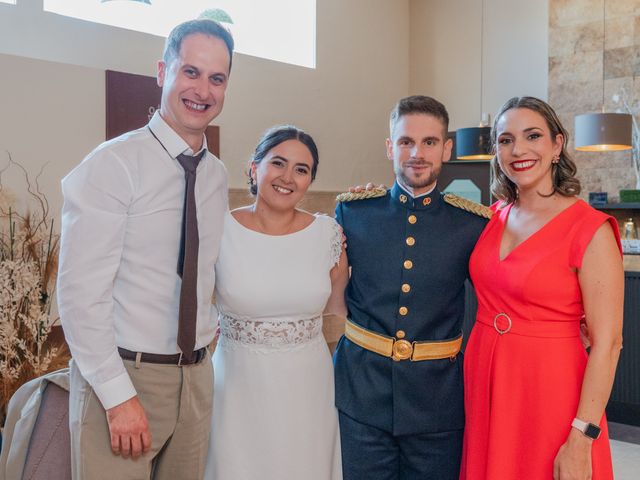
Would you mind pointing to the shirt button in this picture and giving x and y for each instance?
(406, 288)
(408, 264)
(412, 219)
(400, 334)
(426, 201)
(403, 310)
(411, 241)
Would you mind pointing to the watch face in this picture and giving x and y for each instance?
(592, 431)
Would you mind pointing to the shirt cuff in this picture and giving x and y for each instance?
(115, 391)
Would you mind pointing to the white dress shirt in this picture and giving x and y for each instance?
(121, 225)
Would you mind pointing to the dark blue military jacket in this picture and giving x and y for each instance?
(412, 254)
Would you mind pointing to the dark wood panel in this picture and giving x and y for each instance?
(624, 405)
(131, 102)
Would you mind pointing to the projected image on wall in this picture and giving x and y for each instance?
(262, 29)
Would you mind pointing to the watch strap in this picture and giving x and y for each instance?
(588, 429)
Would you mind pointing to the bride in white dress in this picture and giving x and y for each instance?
(279, 268)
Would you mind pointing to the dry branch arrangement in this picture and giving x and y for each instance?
(28, 268)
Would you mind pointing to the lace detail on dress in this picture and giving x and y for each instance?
(336, 243)
(282, 333)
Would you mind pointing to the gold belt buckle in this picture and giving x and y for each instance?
(495, 323)
(402, 350)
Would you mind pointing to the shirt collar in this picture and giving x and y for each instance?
(422, 202)
(409, 190)
(170, 140)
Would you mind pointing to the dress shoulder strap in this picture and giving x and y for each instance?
(587, 220)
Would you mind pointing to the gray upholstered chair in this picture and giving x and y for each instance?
(36, 443)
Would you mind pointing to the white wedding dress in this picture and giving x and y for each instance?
(273, 404)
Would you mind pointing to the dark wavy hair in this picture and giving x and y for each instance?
(563, 173)
(274, 137)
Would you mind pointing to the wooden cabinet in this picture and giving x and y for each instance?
(622, 212)
(478, 171)
(624, 404)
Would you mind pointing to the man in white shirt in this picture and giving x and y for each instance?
(134, 391)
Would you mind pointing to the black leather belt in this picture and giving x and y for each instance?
(174, 359)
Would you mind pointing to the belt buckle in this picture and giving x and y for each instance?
(201, 354)
(402, 350)
(495, 323)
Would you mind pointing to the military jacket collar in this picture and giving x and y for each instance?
(400, 196)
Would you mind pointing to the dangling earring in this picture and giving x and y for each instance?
(253, 184)
(556, 159)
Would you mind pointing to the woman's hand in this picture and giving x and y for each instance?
(573, 461)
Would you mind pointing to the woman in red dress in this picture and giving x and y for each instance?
(547, 261)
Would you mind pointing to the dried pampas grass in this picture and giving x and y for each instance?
(28, 268)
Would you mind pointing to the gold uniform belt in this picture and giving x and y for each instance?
(400, 349)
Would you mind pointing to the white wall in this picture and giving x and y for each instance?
(369, 54)
(446, 47)
(50, 113)
(52, 90)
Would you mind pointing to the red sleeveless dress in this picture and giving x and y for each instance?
(522, 386)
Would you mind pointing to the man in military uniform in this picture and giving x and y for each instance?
(398, 368)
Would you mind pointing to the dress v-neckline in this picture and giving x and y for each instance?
(503, 227)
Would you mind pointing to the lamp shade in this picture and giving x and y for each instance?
(473, 143)
(598, 132)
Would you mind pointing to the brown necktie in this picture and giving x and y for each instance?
(188, 259)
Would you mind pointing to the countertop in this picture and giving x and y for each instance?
(631, 263)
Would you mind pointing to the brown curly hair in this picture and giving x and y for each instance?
(563, 173)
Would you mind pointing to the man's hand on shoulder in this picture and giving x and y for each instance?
(129, 429)
(368, 187)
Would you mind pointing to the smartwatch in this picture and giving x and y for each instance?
(588, 429)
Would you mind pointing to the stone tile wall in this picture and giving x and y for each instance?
(576, 81)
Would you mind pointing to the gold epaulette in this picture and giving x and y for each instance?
(350, 196)
(468, 205)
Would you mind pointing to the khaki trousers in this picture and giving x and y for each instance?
(178, 403)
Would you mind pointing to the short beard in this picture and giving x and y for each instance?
(430, 180)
